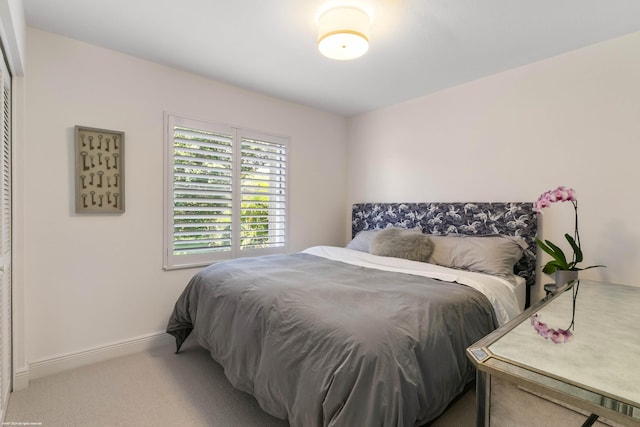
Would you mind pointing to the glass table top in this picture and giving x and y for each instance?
(600, 365)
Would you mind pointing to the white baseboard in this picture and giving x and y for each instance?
(54, 365)
(21, 379)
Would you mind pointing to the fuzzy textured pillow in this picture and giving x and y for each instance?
(398, 243)
(362, 241)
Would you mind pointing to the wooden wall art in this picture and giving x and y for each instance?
(99, 170)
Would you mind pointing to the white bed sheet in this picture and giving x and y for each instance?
(520, 288)
(503, 295)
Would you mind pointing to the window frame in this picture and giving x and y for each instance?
(172, 261)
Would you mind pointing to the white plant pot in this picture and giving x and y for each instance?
(565, 276)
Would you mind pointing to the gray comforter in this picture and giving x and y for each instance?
(325, 343)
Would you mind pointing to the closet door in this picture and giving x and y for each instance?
(5, 241)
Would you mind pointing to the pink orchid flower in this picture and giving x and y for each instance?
(558, 336)
(560, 194)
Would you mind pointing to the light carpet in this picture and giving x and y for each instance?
(158, 388)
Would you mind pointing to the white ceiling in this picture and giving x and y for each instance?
(417, 47)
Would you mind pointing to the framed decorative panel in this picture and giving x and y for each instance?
(99, 170)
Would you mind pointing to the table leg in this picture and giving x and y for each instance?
(483, 394)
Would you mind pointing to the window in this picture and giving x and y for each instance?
(225, 193)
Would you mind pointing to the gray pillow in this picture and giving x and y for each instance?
(491, 254)
(399, 243)
(362, 240)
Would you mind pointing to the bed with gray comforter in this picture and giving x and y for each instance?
(325, 343)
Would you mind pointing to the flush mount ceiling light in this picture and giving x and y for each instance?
(343, 33)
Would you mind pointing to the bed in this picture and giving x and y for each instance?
(345, 337)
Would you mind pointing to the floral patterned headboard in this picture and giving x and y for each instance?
(515, 219)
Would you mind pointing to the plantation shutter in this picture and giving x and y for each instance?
(263, 193)
(6, 360)
(202, 192)
(6, 170)
(225, 193)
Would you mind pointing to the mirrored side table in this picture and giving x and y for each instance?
(524, 379)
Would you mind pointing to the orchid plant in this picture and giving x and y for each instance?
(560, 260)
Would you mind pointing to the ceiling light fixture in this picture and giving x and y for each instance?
(343, 33)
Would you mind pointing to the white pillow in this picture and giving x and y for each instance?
(362, 240)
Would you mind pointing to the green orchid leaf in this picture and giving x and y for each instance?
(559, 255)
(592, 266)
(559, 259)
(544, 247)
(551, 267)
(547, 249)
(575, 247)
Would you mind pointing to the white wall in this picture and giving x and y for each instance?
(94, 280)
(570, 120)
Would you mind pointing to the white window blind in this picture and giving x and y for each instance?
(6, 361)
(202, 192)
(226, 193)
(263, 193)
(6, 171)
